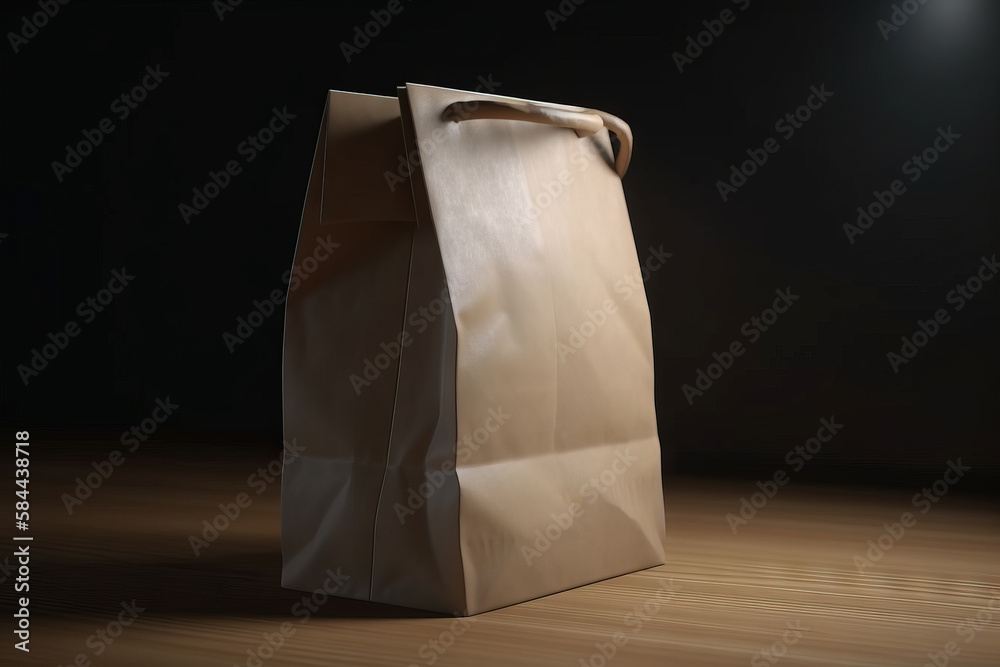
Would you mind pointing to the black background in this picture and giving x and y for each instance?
(825, 357)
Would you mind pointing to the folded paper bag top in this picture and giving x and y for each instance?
(469, 373)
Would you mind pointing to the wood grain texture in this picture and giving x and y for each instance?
(720, 599)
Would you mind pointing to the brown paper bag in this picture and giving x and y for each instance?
(468, 369)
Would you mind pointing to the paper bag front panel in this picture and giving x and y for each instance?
(560, 485)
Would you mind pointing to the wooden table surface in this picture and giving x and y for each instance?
(784, 590)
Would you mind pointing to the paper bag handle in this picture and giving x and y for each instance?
(585, 123)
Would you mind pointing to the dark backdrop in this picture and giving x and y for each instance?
(890, 90)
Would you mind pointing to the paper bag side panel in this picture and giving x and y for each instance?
(345, 306)
(417, 559)
(566, 489)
